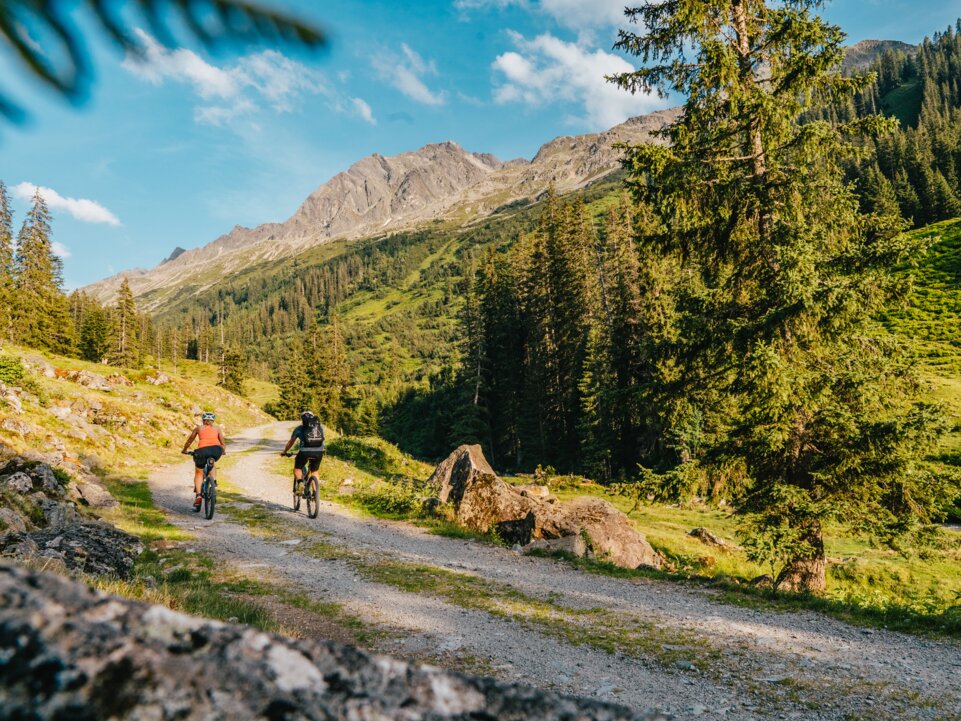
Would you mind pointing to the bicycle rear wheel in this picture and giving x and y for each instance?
(313, 499)
(210, 499)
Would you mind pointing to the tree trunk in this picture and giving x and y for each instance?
(806, 574)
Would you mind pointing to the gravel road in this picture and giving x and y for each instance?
(705, 659)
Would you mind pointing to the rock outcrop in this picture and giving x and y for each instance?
(482, 501)
(41, 521)
(72, 653)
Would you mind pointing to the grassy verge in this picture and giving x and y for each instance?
(869, 584)
(169, 572)
(172, 573)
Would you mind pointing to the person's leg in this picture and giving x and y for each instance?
(299, 460)
(314, 466)
(198, 477)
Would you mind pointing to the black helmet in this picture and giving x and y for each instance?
(306, 416)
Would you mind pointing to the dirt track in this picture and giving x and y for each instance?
(692, 656)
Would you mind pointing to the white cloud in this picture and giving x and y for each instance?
(267, 78)
(87, 211)
(158, 64)
(405, 72)
(278, 79)
(571, 14)
(577, 14)
(363, 110)
(547, 70)
(59, 249)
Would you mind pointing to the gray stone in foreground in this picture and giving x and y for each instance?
(72, 653)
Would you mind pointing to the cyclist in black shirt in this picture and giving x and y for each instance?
(310, 434)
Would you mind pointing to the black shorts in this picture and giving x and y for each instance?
(202, 454)
(312, 455)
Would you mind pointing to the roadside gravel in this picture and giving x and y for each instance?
(705, 659)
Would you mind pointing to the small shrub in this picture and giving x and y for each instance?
(390, 499)
(63, 478)
(179, 575)
(11, 369)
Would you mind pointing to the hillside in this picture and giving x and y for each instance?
(862, 55)
(388, 194)
(397, 297)
(928, 320)
(115, 421)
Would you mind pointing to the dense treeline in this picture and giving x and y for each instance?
(281, 313)
(715, 334)
(35, 311)
(918, 168)
(555, 357)
(290, 298)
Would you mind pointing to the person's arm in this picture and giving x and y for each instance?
(190, 438)
(293, 437)
(220, 437)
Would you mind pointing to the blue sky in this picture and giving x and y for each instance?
(177, 150)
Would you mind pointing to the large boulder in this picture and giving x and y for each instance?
(70, 652)
(607, 531)
(482, 502)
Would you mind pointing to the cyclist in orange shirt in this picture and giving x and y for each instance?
(210, 444)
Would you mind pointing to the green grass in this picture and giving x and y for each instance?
(929, 319)
(904, 103)
(129, 429)
(172, 574)
(867, 583)
(167, 573)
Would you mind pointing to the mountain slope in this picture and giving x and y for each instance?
(860, 56)
(380, 194)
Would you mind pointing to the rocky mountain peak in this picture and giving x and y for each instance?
(379, 194)
(860, 55)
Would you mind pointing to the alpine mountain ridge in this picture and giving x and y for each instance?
(378, 195)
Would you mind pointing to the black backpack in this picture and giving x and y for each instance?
(313, 434)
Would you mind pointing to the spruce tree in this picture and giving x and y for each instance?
(785, 272)
(41, 312)
(233, 371)
(126, 328)
(294, 389)
(7, 282)
(95, 334)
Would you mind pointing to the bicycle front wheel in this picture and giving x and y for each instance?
(313, 499)
(210, 500)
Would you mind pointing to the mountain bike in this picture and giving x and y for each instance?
(310, 492)
(208, 489)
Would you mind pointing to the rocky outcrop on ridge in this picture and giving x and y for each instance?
(73, 653)
(481, 501)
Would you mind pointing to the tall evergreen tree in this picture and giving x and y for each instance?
(785, 274)
(294, 389)
(95, 334)
(7, 282)
(233, 369)
(126, 328)
(41, 312)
